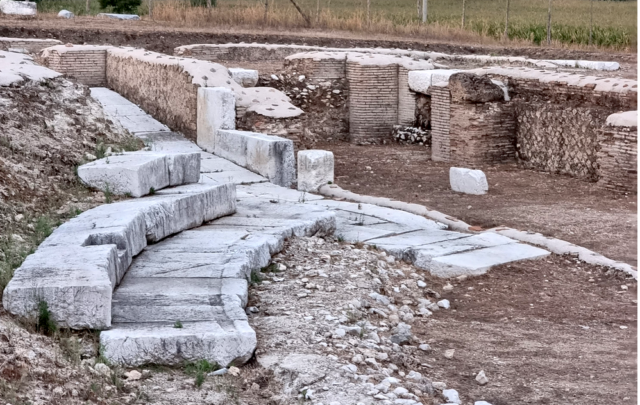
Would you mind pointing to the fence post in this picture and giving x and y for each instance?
(549, 25)
(506, 23)
(368, 13)
(317, 11)
(150, 12)
(87, 8)
(424, 11)
(464, 6)
(591, 26)
(266, 10)
(418, 7)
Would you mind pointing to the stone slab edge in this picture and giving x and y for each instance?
(562, 247)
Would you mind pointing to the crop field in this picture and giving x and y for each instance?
(612, 24)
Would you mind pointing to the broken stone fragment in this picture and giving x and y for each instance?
(472, 88)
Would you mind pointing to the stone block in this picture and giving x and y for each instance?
(244, 77)
(216, 109)
(315, 169)
(66, 14)
(472, 88)
(468, 181)
(220, 342)
(114, 16)
(25, 8)
(76, 282)
(269, 156)
(479, 261)
(184, 168)
(421, 80)
(133, 173)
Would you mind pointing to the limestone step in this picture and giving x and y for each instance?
(479, 261)
(164, 299)
(222, 342)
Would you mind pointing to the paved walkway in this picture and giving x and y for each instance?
(184, 297)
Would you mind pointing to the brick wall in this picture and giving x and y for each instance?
(317, 69)
(373, 102)
(481, 133)
(406, 99)
(86, 66)
(618, 159)
(440, 118)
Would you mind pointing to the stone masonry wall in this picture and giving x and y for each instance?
(32, 45)
(558, 125)
(238, 53)
(440, 118)
(86, 66)
(373, 102)
(481, 133)
(317, 69)
(406, 99)
(618, 159)
(161, 90)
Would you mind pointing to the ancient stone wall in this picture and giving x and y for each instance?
(440, 118)
(618, 158)
(239, 53)
(317, 69)
(481, 133)
(33, 45)
(162, 90)
(85, 64)
(373, 101)
(558, 125)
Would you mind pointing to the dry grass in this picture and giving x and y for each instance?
(614, 22)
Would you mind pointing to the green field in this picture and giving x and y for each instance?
(614, 22)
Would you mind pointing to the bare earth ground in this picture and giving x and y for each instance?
(552, 331)
(163, 37)
(558, 206)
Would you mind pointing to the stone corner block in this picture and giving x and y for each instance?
(315, 169)
(244, 77)
(76, 283)
(267, 155)
(216, 109)
(134, 173)
(468, 181)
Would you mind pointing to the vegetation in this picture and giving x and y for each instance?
(199, 370)
(613, 22)
(121, 6)
(45, 324)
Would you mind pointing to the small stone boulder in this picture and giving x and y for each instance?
(315, 169)
(401, 334)
(472, 88)
(244, 77)
(468, 181)
(481, 378)
(66, 14)
(25, 8)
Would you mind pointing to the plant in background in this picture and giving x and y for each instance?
(45, 323)
(121, 6)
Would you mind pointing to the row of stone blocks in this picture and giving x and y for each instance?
(76, 269)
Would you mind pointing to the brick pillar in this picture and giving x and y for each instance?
(440, 118)
(373, 101)
(406, 99)
(618, 159)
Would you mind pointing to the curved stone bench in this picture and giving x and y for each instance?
(76, 269)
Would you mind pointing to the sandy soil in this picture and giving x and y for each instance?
(557, 206)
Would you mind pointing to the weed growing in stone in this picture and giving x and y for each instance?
(71, 349)
(177, 325)
(45, 323)
(100, 150)
(108, 195)
(152, 191)
(255, 278)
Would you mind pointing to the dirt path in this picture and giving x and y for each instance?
(545, 332)
(162, 37)
(554, 205)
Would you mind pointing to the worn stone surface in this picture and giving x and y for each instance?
(244, 77)
(134, 174)
(66, 14)
(468, 181)
(269, 156)
(315, 169)
(472, 88)
(24, 8)
(216, 110)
